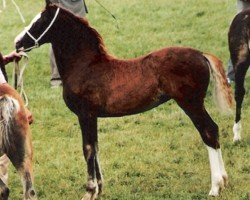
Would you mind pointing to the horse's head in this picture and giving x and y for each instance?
(39, 30)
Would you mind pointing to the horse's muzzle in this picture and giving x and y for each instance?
(19, 46)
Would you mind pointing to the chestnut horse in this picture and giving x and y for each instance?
(15, 139)
(238, 40)
(96, 84)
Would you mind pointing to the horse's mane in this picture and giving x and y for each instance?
(85, 23)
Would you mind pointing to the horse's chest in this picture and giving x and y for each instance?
(84, 97)
(71, 101)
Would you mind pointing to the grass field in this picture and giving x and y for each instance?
(156, 155)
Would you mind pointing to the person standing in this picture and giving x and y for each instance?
(241, 5)
(78, 7)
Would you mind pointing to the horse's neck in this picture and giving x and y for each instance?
(73, 35)
(76, 43)
(67, 56)
(75, 38)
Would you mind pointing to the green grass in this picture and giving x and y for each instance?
(154, 155)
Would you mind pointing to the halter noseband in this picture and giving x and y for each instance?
(36, 41)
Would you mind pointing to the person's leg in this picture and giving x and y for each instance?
(55, 77)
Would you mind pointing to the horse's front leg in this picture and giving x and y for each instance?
(90, 142)
(98, 173)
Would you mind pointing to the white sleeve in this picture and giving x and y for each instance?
(2, 79)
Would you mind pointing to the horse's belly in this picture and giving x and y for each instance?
(133, 105)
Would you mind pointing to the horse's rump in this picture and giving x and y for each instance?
(8, 112)
(13, 120)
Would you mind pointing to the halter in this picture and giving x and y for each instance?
(36, 41)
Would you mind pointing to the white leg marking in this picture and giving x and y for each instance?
(4, 162)
(216, 175)
(237, 131)
(222, 168)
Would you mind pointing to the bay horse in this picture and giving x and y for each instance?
(238, 40)
(15, 138)
(96, 84)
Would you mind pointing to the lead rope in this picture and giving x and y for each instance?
(17, 77)
(17, 8)
(19, 11)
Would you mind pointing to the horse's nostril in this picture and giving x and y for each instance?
(18, 46)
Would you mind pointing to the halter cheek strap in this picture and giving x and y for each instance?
(36, 41)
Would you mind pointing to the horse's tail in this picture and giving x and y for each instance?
(8, 109)
(222, 91)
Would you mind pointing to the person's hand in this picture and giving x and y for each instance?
(13, 56)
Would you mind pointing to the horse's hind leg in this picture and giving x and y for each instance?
(4, 190)
(240, 73)
(26, 173)
(21, 158)
(208, 130)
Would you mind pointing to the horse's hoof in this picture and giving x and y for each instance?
(237, 139)
(216, 188)
(237, 132)
(92, 191)
(100, 185)
(90, 196)
(91, 186)
(213, 193)
(225, 179)
(30, 195)
(4, 193)
(87, 196)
